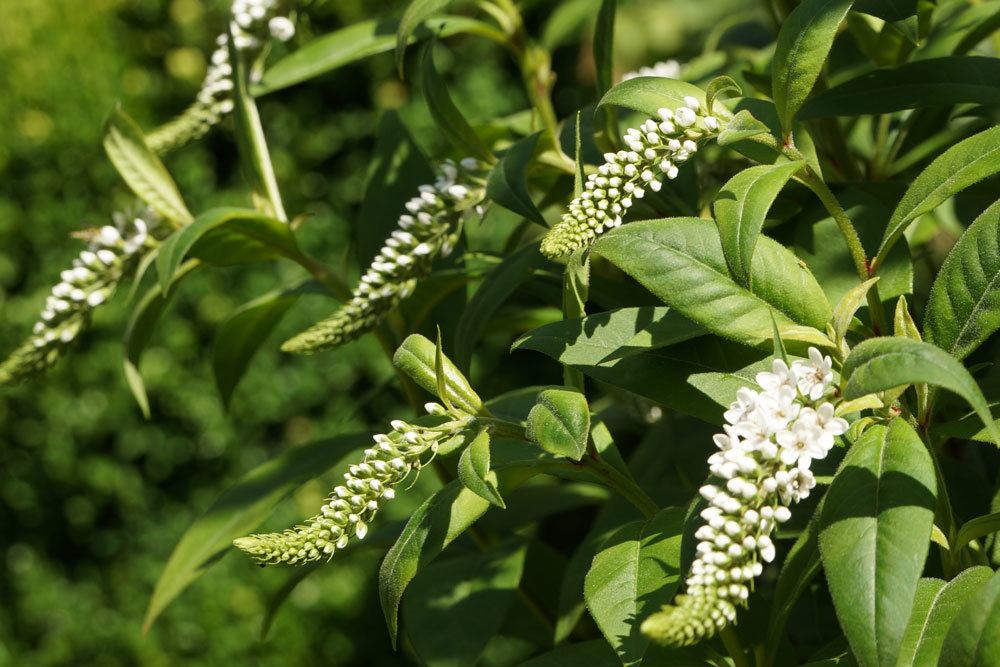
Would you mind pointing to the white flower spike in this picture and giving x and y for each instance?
(763, 464)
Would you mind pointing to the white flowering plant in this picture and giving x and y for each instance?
(737, 317)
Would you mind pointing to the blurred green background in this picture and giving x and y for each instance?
(92, 496)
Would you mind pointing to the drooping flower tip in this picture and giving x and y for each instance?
(656, 149)
(763, 465)
(428, 230)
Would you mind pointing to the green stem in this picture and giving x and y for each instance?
(619, 483)
(733, 646)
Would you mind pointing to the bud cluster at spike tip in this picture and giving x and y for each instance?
(665, 69)
(763, 466)
(655, 151)
(87, 284)
(252, 21)
(426, 231)
(351, 506)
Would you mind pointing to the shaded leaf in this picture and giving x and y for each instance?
(506, 183)
(474, 469)
(447, 117)
(416, 12)
(974, 637)
(241, 509)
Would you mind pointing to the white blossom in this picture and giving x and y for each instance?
(765, 452)
(666, 69)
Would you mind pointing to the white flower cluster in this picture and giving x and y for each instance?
(665, 69)
(763, 464)
(254, 20)
(352, 505)
(655, 150)
(86, 285)
(251, 23)
(428, 230)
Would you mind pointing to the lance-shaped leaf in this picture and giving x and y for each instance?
(604, 45)
(241, 509)
(646, 94)
(915, 85)
(974, 637)
(446, 115)
(878, 364)
(351, 44)
(636, 572)
(141, 168)
(964, 164)
(964, 306)
(874, 535)
(680, 260)
(740, 209)
(495, 289)
(506, 183)
(935, 607)
(804, 41)
(742, 126)
(474, 469)
(264, 231)
(416, 12)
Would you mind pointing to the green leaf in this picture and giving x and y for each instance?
(874, 535)
(973, 529)
(964, 164)
(635, 573)
(255, 157)
(935, 82)
(804, 41)
(719, 86)
(740, 209)
(604, 45)
(453, 609)
(397, 169)
(243, 333)
(902, 322)
(974, 637)
(646, 94)
(262, 229)
(416, 357)
(506, 183)
(495, 289)
(474, 469)
(567, 20)
(654, 353)
(801, 566)
(742, 126)
(353, 43)
(560, 423)
(889, 10)
(241, 509)
(447, 117)
(142, 322)
(435, 524)
(934, 609)
(593, 653)
(964, 305)
(416, 13)
(680, 260)
(879, 364)
(141, 169)
(844, 312)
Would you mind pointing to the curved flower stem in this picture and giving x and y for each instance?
(619, 483)
(733, 646)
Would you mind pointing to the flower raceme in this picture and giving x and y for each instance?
(427, 230)
(655, 151)
(351, 506)
(252, 21)
(763, 466)
(665, 69)
(111, 256)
